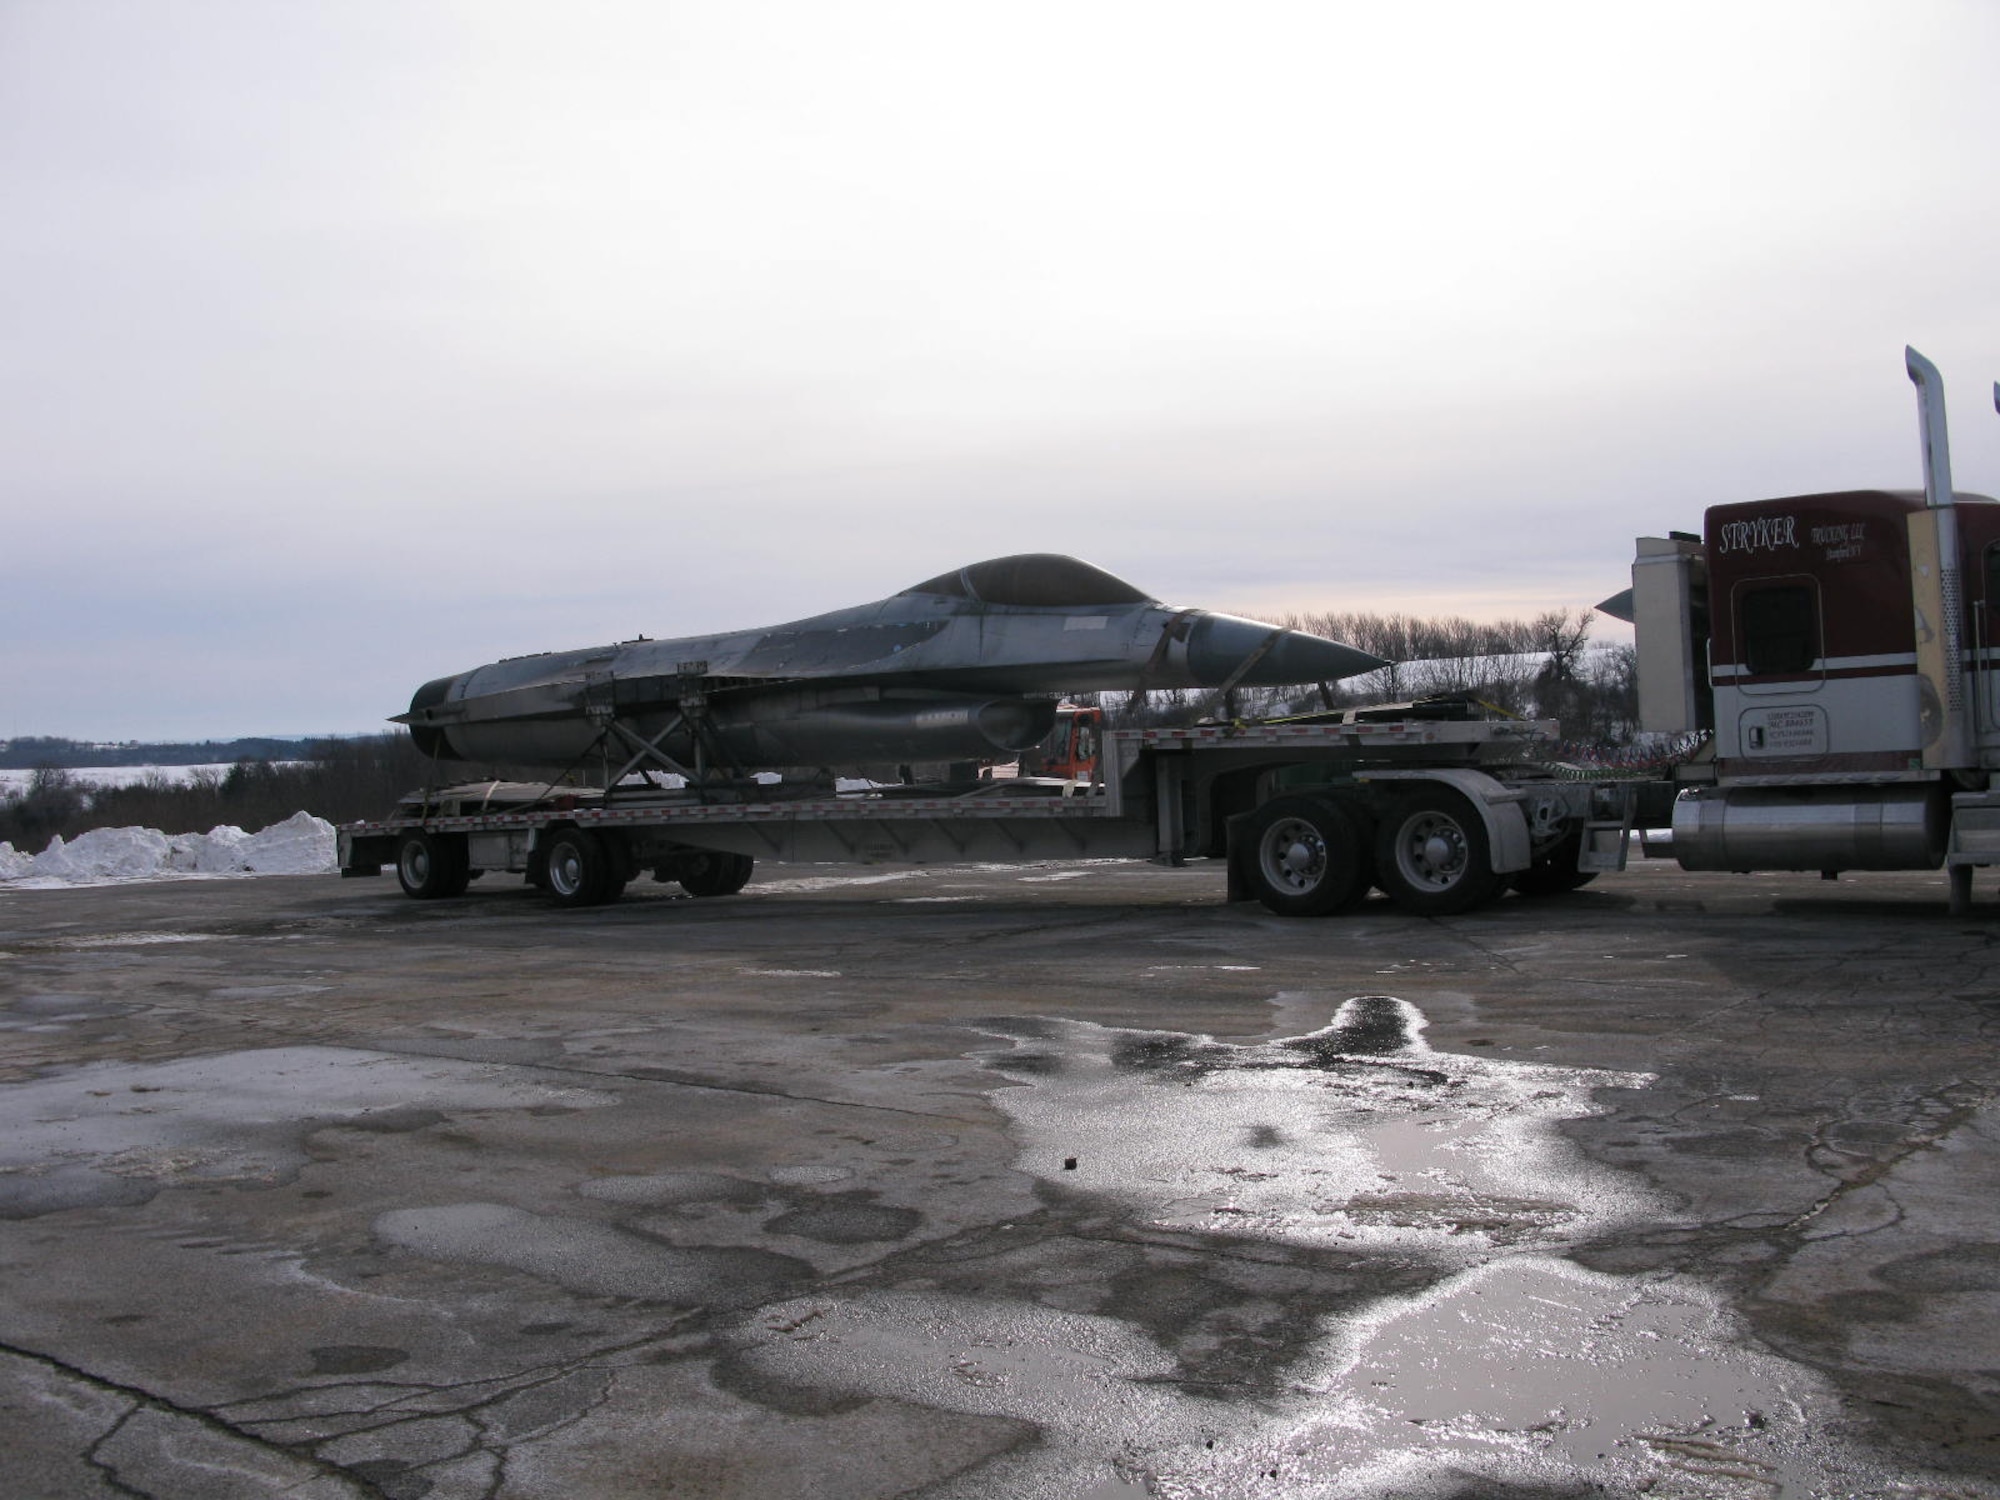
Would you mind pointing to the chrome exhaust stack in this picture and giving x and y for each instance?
(1936, 587)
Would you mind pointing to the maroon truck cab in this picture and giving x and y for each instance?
(1816, 610)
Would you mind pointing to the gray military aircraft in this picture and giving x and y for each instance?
(964, 666)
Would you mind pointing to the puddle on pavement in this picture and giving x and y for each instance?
(592, 1258)
(807, 884)
(1113, 1486)
(1072, 1374)
(1515, 1367)
(808, 1175)
(1357, 1135)
(269, 991)
(51, 1011)
(115, 1133)
(131, 939)
(1534, 1371)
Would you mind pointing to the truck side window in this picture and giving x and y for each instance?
(1780, 628)
(1991, 597)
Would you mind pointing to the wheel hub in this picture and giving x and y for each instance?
(1294, 857)
(1433, 852)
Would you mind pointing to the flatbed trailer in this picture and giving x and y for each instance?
(1442, 812)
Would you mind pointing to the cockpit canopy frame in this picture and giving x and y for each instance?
(1034, 580)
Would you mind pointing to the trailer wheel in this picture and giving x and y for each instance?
(1555, 873)
(1432, 855)
(1305, 857)
(432, 865)
(580, 870)
(712, 873)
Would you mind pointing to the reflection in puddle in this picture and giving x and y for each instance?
(1357, 1135)
(1074, 1375)
(809, 884)
(116, 1133)
(1534, 1371)
(131, 939)
(1514, 1367)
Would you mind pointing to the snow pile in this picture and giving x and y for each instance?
(301, 845)
(105, 854)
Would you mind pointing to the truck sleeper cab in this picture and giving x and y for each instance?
(1806, 632)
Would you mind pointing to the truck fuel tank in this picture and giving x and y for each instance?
(1812, 828)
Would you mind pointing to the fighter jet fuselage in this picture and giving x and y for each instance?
(963, 666)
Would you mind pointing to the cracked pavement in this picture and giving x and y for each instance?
(1040, 1180)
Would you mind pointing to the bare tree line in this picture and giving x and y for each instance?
(344, 780)
(1449, 653)
(1544, 667)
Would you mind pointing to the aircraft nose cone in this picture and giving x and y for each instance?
(1220, 645)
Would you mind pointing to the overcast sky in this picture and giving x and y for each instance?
(348, 344)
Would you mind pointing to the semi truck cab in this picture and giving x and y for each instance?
(1840, 650)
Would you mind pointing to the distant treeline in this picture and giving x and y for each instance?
(1544, 668)
(33, 751)
(339, 780)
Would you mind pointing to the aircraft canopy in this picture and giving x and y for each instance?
(1034, 579)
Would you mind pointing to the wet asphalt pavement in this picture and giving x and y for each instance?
(1058, 1180)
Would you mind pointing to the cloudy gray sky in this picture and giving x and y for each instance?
(349, 344)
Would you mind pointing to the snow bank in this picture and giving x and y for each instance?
(301, 845)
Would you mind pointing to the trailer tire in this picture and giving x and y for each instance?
(432, 866)
(1305, 857)
(580, 871)
(1432, 855)
(714, 873)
